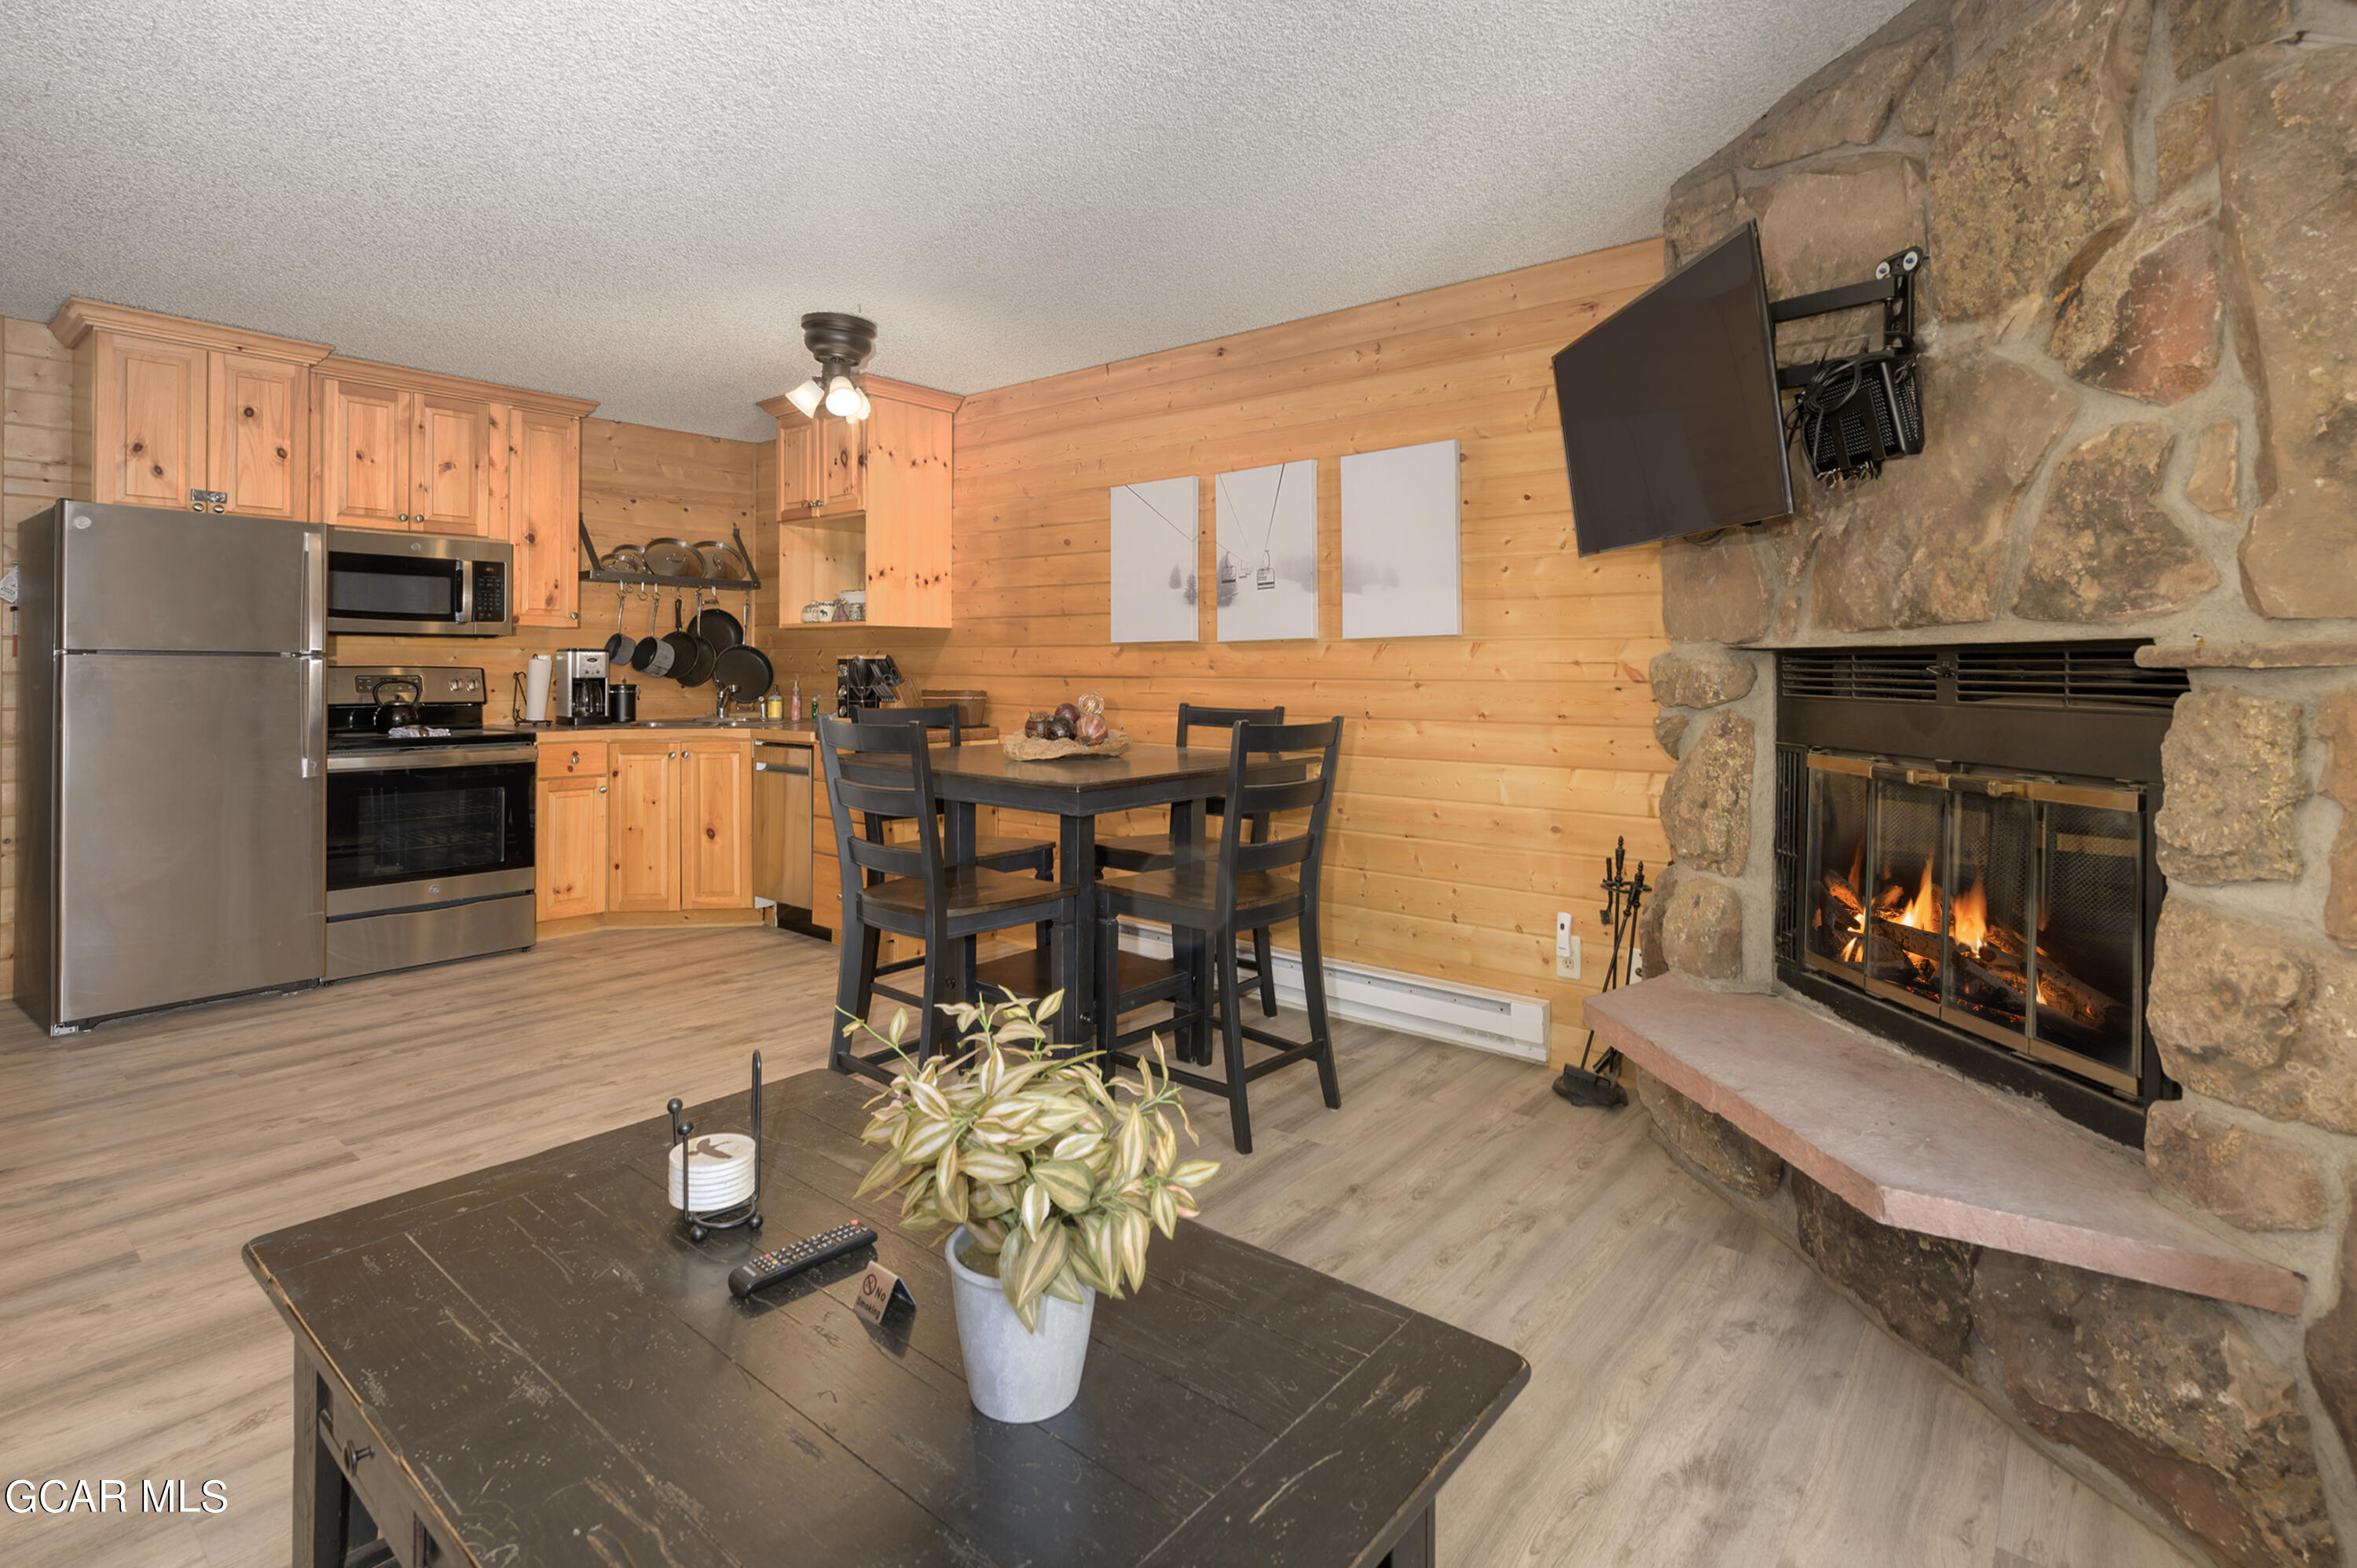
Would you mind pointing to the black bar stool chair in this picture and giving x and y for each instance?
(1153, 852)
(1250, 884)
(990, 851)
(917, 894)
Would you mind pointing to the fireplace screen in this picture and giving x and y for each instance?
(2008, 904)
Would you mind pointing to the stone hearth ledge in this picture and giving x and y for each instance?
(1912, 1147)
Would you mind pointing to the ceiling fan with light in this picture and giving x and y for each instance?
(840, 343)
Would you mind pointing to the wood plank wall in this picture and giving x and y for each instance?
(1485, 776)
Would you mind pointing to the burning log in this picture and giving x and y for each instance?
(1837, 887)
(2063, 991)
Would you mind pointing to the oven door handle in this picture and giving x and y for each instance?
(456, 757)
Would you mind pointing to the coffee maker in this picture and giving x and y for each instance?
(577, 690)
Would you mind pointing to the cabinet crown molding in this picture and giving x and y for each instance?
(876, 386)
(78, 318)
(409, 380)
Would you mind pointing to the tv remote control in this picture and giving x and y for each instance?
(759, 1274)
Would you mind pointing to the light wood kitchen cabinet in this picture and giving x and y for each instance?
(643, 825)
(680, 825)
(364, 452)
(571, 848)
(800, 491)
(170, 412)
(258, 434)
(451, 465)
(402, 449)
(866, 504)
(396, 457)
(543, 512)
(715, 791)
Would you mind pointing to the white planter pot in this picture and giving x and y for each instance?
(1012, 1373)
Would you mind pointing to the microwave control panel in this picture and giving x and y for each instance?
(491, 592)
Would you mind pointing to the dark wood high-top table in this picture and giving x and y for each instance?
(1076, 791)
(533, 1364)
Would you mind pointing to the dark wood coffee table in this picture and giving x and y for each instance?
(533, 1364)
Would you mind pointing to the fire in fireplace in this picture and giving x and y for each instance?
(1964, 847)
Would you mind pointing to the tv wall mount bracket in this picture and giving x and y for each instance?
(1855, 414)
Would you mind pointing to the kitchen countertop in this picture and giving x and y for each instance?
(790, 733)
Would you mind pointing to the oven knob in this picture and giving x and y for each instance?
(433, 889)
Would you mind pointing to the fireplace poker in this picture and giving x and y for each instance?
(1624, 897)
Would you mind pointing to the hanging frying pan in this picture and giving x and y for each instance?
(744, 670)
(621, 645)
(682, 645)
(699, 665)
(718, 627)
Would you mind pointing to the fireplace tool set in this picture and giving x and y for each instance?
(1624, 897)
(731, 1172)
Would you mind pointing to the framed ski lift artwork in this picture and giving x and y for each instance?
(1264, 525)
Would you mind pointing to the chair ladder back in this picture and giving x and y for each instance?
(944, 717)
(1247, 799)
(1223, 719)
(912, 800)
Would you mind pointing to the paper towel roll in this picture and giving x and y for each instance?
(536, 689)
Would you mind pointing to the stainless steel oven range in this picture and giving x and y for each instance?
(429, 821)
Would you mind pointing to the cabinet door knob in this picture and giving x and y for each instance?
(352, 1456)
(602, 788)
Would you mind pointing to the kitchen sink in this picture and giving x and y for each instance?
(692, 724)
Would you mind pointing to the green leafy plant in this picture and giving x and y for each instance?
(1056, 1169)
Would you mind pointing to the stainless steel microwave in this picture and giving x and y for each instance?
(419, 585)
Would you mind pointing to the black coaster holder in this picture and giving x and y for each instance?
(748, 1213)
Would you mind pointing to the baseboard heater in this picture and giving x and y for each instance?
(1413, 1005)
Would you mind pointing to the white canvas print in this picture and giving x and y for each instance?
(1265, 534)
(1399, 567)
(1154, 561)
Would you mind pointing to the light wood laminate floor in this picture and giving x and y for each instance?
(1697, 1395)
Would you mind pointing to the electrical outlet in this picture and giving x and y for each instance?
(1567, 948)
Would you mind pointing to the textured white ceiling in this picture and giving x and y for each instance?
(635, 200)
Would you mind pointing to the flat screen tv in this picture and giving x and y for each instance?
(1670, 419)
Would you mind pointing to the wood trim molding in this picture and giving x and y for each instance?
(783, 412)
(77, 318)
(414, 380)
(644, 920)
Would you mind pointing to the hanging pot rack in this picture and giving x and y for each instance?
(752, 581)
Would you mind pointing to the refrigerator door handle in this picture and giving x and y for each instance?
(315, 715)
(315, 590)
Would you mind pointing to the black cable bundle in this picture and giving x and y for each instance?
(1854, 414)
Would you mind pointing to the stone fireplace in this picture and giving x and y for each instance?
(2140, 383)
(1964, 858)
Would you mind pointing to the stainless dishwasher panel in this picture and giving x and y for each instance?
(781, 823)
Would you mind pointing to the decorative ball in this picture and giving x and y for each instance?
(1034, 725)
(1067, 712)
(1091, 702)
(1058, 728)
(1090, 728)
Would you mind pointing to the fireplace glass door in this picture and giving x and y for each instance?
(2006, 905)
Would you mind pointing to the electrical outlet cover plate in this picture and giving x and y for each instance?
(1567, 948)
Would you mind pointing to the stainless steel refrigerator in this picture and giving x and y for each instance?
(174, 727)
